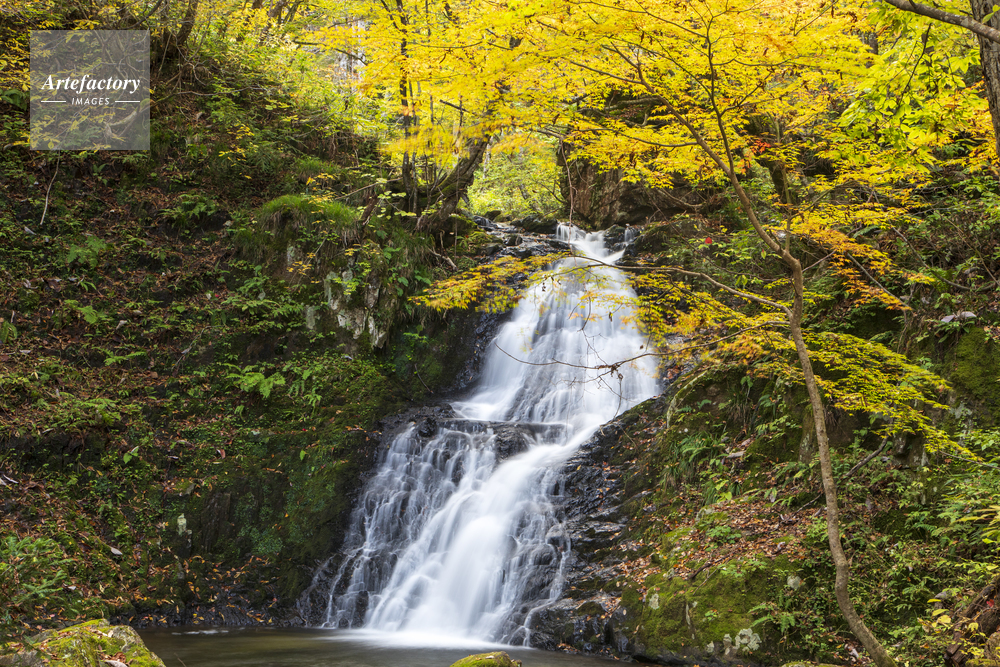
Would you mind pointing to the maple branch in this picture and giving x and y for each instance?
(850, 473)
(926, 265)
(643, 10)
(916, 63)
(966, 22)
(607, 368)
(873, 279)
(139, 21)
(741, 194)
(725, 165)
(732, 290)
(649, 142)
(674, 351)
(750, 296)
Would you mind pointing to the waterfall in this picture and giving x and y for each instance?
(457, 533)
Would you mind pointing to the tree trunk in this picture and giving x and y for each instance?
(450, 189)
(989, 56)
(186, 25)
(840, 562)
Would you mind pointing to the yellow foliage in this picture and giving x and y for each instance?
(490, 287)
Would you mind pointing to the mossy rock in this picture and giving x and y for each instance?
(536, 225)
(291, 218)
(90, 644)
(977, 369)
(711, 616)
(495, 659)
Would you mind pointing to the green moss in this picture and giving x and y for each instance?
(289, 217)
(298, 210)
(495, 659)
(677, 614)
(775, 449)
(90, 644)
(977, 370)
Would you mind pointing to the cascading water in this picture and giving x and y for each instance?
(451, 538)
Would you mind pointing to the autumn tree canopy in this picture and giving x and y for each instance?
(710, 91)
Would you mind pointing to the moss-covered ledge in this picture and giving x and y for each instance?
(90, 644)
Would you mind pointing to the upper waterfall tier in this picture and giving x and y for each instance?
(554, 361)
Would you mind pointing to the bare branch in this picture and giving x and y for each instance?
(966, 22)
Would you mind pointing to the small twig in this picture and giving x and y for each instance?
(694, 574)
(179, 659)
(184, 353)
(49, 190)
(862, 463)
(982, 464)
(445, 258)
(872, 278)
(921, 258)
(422, 381)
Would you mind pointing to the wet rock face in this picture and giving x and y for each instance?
(537, 225)
(312, 602)
(587, 617)
(599, 493)
(475, 343)
(510, 438)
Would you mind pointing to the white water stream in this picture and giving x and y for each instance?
(450, 540)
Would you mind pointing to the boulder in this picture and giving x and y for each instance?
(485, 222)
(90, 644)
(536, 225)
(494, 659)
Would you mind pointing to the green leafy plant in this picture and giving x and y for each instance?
(87, 254)
(252, 381)
(8, 332)
(32, 570)
(113, 358)
(88, 312)
(190, 210)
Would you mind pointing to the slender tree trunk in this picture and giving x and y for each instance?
(187, 24)
(989, 57)
(840, 562)
(408, 172)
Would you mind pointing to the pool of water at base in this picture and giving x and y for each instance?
(283, 647)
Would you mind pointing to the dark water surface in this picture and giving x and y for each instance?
(283, 647)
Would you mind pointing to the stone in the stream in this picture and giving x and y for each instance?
(494, 659)
(536, 225)
(90, 644)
